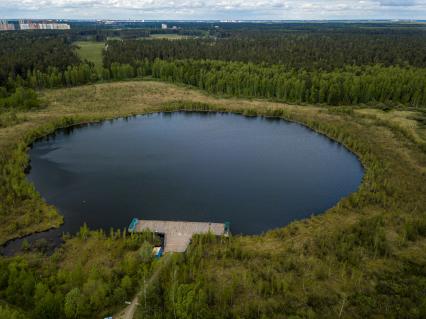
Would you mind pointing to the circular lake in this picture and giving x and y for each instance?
(257, 173)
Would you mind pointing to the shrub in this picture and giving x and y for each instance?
(22, 99)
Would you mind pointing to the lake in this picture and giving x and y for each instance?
(257, 173)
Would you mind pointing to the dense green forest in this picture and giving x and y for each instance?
(22, 52)
(306, 50)
(335, 67)
(88, 276)
(352, 85)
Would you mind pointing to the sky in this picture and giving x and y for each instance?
(214, 9)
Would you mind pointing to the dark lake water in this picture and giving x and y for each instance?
(257, 173)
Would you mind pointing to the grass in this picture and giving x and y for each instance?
(171, 36)
(114, 38)
(364, 257)
(413, 125)
(8, 118)
(91, 51)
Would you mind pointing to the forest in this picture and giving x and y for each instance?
(353, 85)
(76, 282)
(23, 52)
(301, 50)
(339, 67)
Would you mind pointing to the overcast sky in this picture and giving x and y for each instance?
(214, 9)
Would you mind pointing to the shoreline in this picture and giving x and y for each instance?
(181, 106)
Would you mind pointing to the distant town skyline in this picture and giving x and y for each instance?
(214, 9)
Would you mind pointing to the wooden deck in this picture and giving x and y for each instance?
(177, 234)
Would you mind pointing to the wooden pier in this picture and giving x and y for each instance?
(178, 234)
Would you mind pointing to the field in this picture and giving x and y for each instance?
(171, 36)
(114, 38)
(91, 51)
(343, 263)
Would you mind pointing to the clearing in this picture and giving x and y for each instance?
(91, 51)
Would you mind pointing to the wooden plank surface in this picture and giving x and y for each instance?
(178, 234)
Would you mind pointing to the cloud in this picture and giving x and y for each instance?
(215, 9)
(398, 3)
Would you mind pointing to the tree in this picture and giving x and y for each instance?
(126, 284)
(7, 313)
(145, 252)
(72, 305)
(47, 305)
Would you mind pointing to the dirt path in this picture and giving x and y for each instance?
(129, 311)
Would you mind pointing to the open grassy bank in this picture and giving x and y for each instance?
(365, 257)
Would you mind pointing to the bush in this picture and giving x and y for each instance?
(22, 99)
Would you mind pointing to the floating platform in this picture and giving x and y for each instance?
(178, 234)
